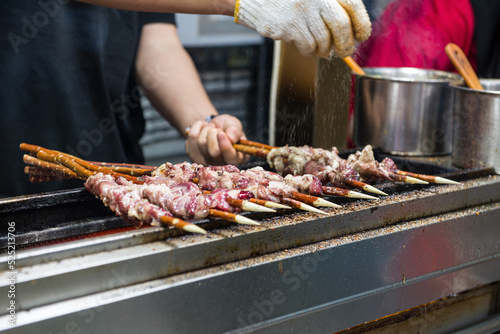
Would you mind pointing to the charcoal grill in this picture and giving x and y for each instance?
(297, 271)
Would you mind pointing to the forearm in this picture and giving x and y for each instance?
(221, 7)
(169, 78)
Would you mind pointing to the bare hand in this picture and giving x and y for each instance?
(211, 143)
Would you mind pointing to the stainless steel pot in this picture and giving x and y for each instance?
(404, 111)
(476, 133)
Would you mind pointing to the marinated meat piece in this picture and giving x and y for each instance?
(370, 169)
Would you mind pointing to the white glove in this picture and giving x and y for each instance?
(314, 26)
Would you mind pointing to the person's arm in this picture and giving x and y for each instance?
(170, 80)
(219, 7)
(320, 27)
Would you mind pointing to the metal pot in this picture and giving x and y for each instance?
(476, 134)
(404, 111)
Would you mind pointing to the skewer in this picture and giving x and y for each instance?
(313, 200)
(181, 224)
(248, 206)
(364, 186)
(232, 217)
(122, 164)
(407, 179)
(255, 151)
(59, 158)
(42, 178)
(256, 144)
(345, 193)
(428, 178)
(129, 169)
(40, 168)
(301, 206)
(53, 175)
(73, 162)
(47, 166)
(101, 169)
(269, 204)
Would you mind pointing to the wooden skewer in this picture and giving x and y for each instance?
(245, 205)
(248, 206)
(134, 170)
(407, 179)
(43, 178)
(364, 186)
(232, 217)
(181, 224)
(71, 162)
(50, 175)
(59, 158)
(301, 206)
(429, 178)
(121, 164)
(345, 193)
(256, 144)
(101, 169)
(255, 151)
(313, 200)
(269, 204)
(47, 166)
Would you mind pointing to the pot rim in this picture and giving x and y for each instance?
(444, 76)
(483, 92)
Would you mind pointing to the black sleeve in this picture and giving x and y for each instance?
(157, 18)
(487, 37)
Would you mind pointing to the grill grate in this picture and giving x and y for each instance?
(71, 214)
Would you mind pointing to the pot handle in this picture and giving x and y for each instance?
(463, 66)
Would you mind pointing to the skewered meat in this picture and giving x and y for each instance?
(124, 201)
(182, 200)
(263, 184)
(326, 165)
(370, 169)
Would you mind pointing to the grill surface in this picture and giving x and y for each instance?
(75, 213)
(362, 262)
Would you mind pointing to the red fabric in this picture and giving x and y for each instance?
(413, 33)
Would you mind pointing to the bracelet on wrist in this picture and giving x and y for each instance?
(211, 117)
(207, 119)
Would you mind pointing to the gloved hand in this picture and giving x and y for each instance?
(314, 26)
(211, 143)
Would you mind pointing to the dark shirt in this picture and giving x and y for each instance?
(487, 37)
(67, 83)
